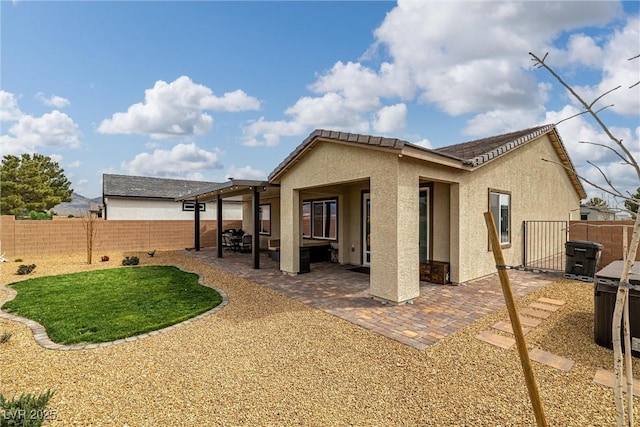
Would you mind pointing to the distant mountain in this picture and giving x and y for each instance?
(78, 206)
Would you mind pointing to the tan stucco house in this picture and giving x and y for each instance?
(393, 206)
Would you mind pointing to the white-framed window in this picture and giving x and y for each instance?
(325, 219)
(265, 219)
(320, 219)
(500, 208)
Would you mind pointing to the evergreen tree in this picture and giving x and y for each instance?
(32, 183)
(631, 205)
(597, 201)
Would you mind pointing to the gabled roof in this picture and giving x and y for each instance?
(149, 188)
(482, 150)
(467, 155)
(369, 141)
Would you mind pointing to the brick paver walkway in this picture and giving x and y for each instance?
(439, 311)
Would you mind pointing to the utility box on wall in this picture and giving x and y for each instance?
(434, 272)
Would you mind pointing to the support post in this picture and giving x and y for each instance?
(255, 244)
(196, 231)
(219, 226)
(529, 375)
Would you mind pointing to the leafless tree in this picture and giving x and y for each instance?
(89, 222)
(621, 310)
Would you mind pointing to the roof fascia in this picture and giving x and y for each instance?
(565, 160)
(231, 188)
(435, 157)
(317, 139)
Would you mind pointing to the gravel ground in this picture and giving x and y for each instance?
(266, 360)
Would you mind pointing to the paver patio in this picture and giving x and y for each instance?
(439, 311)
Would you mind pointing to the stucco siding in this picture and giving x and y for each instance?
(145, 209)
(539, 191)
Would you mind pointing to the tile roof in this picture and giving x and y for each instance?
(147, 187)
(480, 151)
(367, 140)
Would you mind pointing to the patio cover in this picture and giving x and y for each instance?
(238, 189)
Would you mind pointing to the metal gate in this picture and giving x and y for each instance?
(544, 244)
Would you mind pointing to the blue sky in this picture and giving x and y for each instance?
(207, 90)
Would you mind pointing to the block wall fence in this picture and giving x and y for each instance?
(67, 235)
(607, 233)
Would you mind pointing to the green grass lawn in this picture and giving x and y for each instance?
(105, 305)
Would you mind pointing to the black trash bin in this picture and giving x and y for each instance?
(582, 257)
(605, 302)
(305, 259)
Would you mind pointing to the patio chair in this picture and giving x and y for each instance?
(226, 241)
(246, 243)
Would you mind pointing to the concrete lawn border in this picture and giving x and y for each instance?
(42, 339)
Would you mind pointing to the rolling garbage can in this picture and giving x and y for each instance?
(582, 257)
(605, 302)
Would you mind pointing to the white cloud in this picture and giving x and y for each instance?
(9, 110)
(584, 50)
(618, 70)
(75, 164)
(183, 160)
(53, 100)
(424, 143)
(496, 122)
(30, 133)
(461, 56)
(56, 158)
(262, 132)
(579, 137)
(246, 172)
(391, 119)
(176, 109)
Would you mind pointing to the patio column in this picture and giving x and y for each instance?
(290, 230)
(454, 233)
(219, 225)
(255, 243)
(395, 234)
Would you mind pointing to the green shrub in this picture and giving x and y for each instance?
(26, 269)
(71, 216)
(133, 260)
(18, 259)
(26, 410)
(5, 337)
(40, 215)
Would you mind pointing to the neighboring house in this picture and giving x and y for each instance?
(394, 206)
(597, 213)
(143, 198)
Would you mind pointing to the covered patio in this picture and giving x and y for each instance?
(439, 311)
(251, 193)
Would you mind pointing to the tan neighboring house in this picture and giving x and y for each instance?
(394, 206)
(127, 197)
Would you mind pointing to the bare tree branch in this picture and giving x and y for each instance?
(541, 63)
(624, 160)
(606, 190)
(602, 96)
